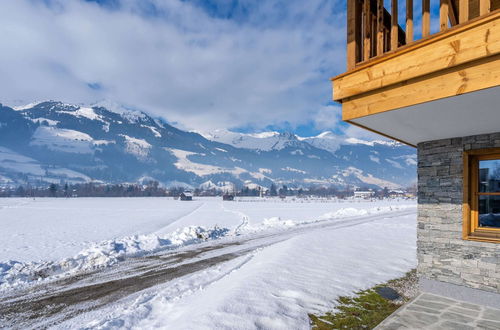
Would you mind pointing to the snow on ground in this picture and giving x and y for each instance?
(51, 229)
(323, 249)
(103, 254)
(276, 286)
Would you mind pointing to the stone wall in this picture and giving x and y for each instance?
(442, 253)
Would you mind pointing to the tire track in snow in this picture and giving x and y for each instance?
(50, 304)
(245, 219)
(142, 305)
(54, 304)
(188, 214)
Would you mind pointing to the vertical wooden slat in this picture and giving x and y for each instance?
(463, 11)
(367, 30)
(394, 25)
(409, 21)
(359, 32)
(452, 12)
(380, 27)
(352, 26)
(374, 35)
(426, 18)
(443, 15)
(484, 7)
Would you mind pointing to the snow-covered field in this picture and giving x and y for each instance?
(51, 229)
(310, 252)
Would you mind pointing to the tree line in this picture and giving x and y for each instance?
(154, 189)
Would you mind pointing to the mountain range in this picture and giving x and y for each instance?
(54, 142)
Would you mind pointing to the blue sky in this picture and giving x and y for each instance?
(247, 65)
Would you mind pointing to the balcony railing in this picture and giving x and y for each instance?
(373, 30)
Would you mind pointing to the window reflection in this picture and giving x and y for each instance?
(489, 211)
(489, 176)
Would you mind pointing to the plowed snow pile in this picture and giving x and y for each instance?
(103, 254)
(55, 228)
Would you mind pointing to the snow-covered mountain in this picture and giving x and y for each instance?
(57, 142)
(266, 141)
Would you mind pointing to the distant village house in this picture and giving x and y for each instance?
(186, 196)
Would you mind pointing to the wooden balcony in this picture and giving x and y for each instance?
(395, 62)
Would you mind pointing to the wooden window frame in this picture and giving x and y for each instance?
(471, 229)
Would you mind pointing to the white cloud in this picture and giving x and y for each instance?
(359, 133)
(182, 64)
(394, 163)
(328, 117)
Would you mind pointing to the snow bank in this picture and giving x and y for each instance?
(354, 212)
(275, 287)
(80, 256)
(103, 254)
(343, 213)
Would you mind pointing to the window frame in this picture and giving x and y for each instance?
(471, 229)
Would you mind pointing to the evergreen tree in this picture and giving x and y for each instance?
(272, 190)
(53, 189)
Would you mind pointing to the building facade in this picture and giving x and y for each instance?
(440, 94)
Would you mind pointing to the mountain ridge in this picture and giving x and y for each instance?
(54, 142)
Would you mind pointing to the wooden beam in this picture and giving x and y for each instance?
(443, 15)
(367, 24)
(394, 25)
(484, 7)
(380, 27)
(409, 21)
(461, 79)
(463, 11)
(456, 46)
(426, 18)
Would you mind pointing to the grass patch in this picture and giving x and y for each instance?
(366, 309)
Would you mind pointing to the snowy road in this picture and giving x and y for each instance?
(269, 279)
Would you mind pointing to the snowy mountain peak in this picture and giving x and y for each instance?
(81, 143)
(264, 135)
(353, 140)
(267, 141)
(264, 141)
(327, 135)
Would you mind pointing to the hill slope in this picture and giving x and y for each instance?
(54, 142)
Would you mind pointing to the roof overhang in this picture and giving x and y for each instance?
(464, 115)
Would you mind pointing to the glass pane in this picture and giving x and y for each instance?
(489, 175)
(489, 211)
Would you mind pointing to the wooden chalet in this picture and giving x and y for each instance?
(186, 196)
(228, 197)
(438, 91)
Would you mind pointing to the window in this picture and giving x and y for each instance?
(482, 195)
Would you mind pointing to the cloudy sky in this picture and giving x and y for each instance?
(248, 65)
